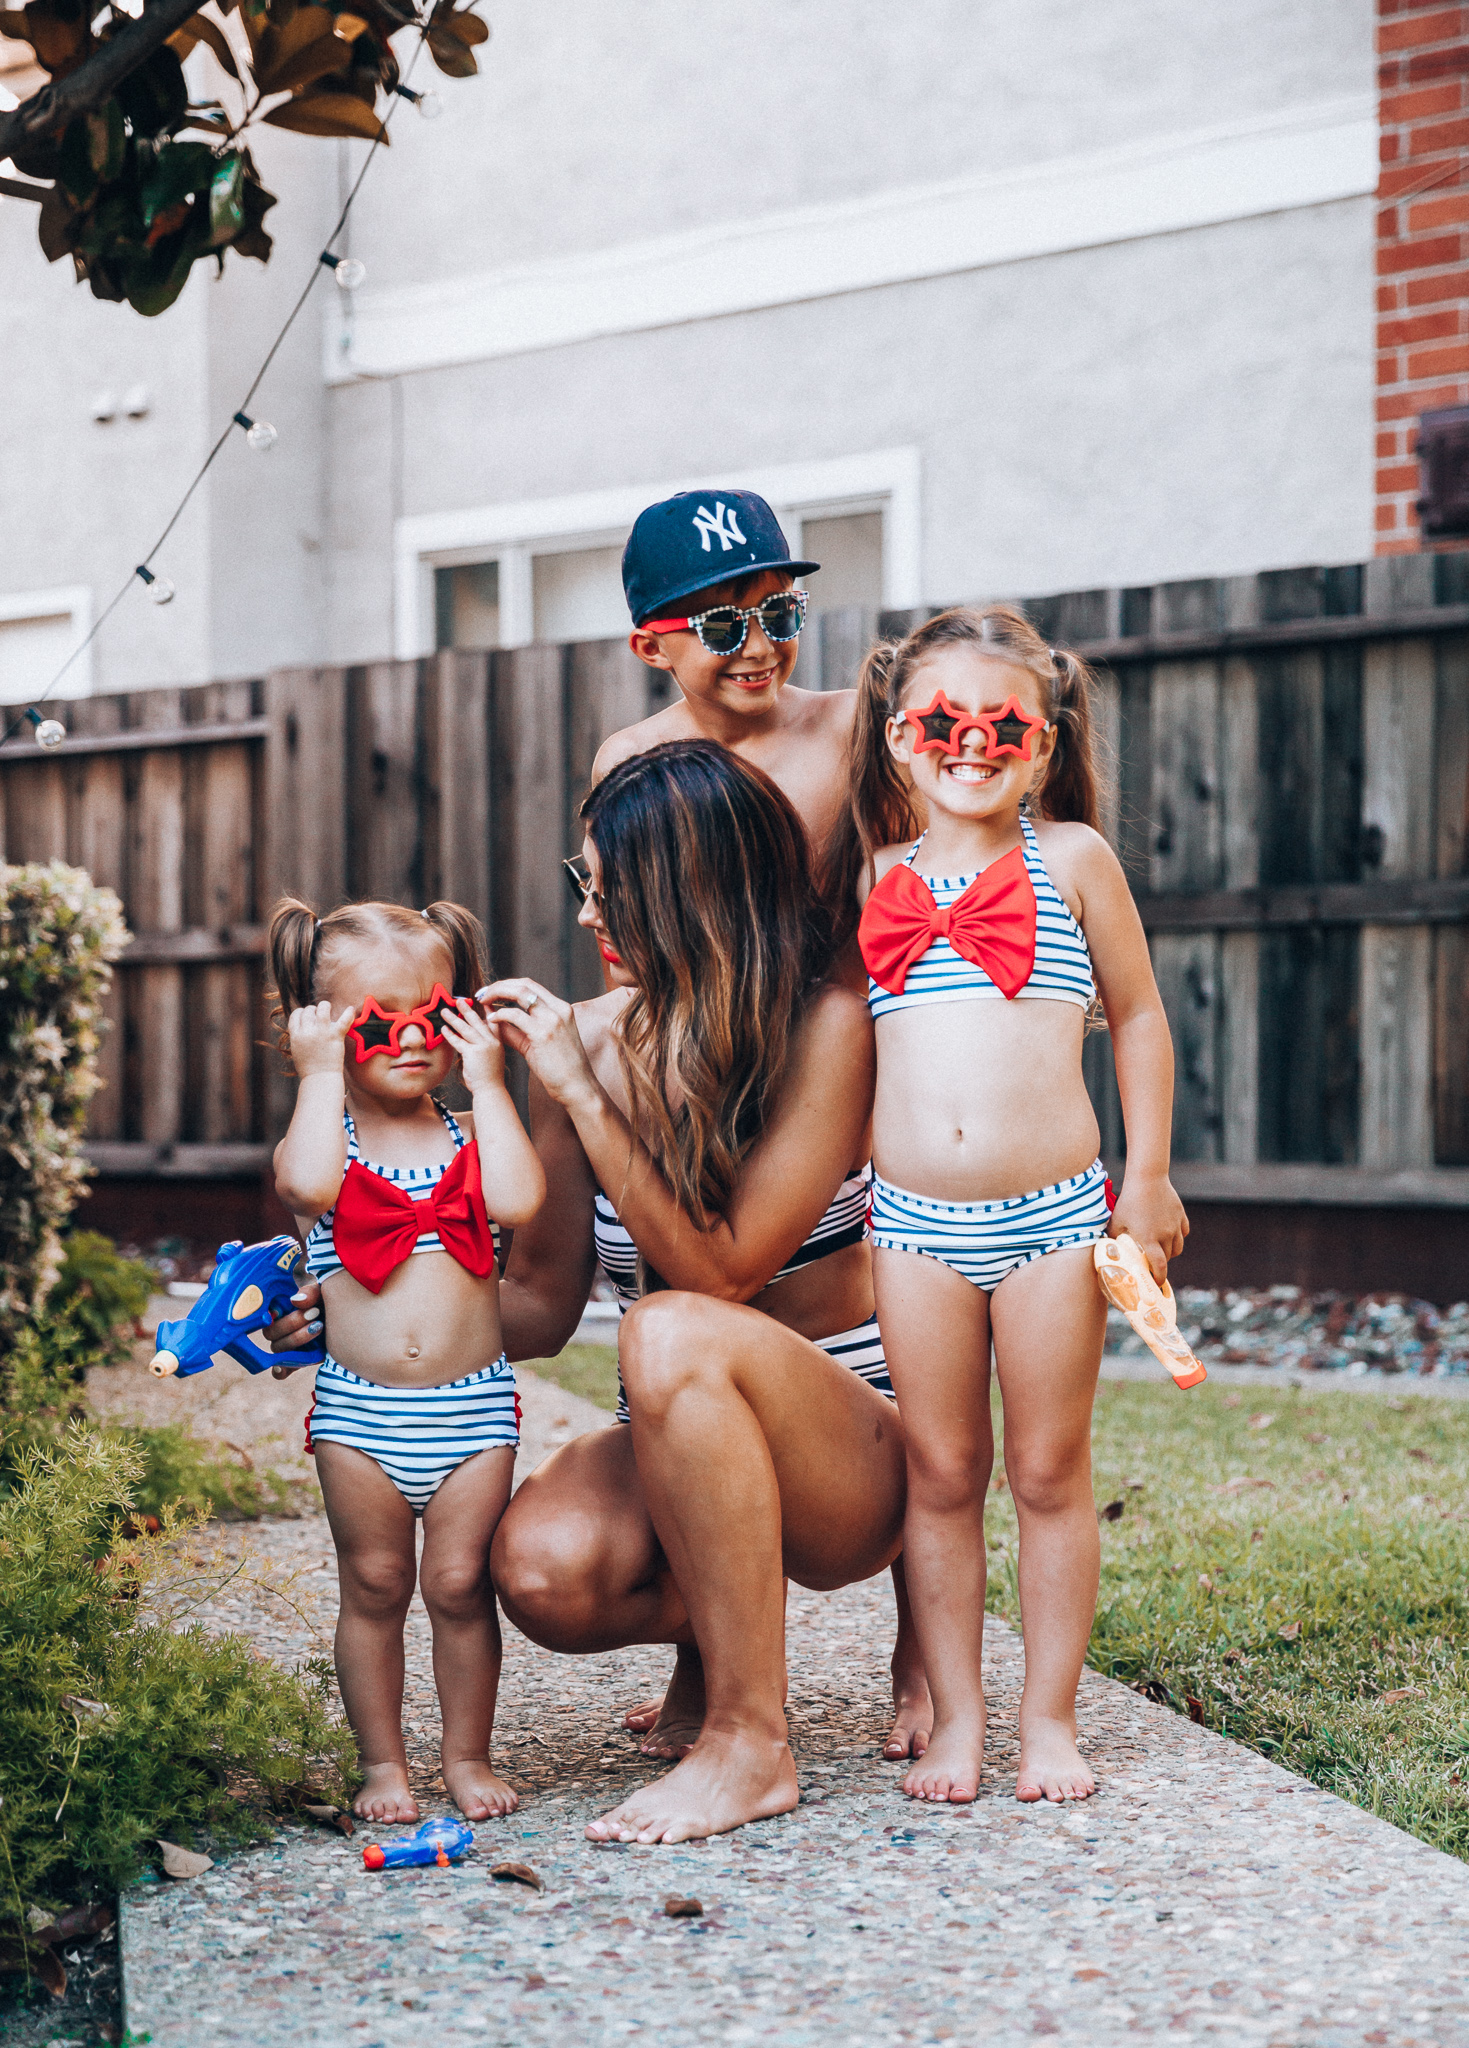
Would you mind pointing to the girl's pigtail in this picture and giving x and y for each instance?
(464, 935)
(1069, 793)
(882, 810)
(290, 950)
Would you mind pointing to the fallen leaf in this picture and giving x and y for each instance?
(183, 1862)
(682, 1909)
(75, 1704)
(1317, 1436)
(1112, 1512)
(1402, 1692)
(1423, 1457)
(1233, 1400)
(1133, 1486)
(1234, 1656)
(1262, 1421)
(1086, 1976)
(1195, 1710)
(1241, 1480)
(332, 1817)
(52, 1972)
(534, 1982)
(517, 1873)
(1205, 1582)
(1289, 1633)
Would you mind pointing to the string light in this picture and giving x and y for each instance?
(347, 271)
(429, 105)
(160, 590)
(50, 732)
(260, 434)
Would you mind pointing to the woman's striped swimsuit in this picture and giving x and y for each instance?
(986, 1241)
(419, 1435)
(845, 1223)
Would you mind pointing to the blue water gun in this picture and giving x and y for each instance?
(252, 1284)
(437, 1841)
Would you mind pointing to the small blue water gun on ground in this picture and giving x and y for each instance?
(252, 1284)
(437, 1841)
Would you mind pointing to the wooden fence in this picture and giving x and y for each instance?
(1292, 757)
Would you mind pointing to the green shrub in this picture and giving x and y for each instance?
(123, 1721)
(178, 1470)
(58, 936)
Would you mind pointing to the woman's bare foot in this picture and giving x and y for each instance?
(913, 1715)
(385, 1794)
(728, 1778)
(676, 1720)
(639, 1719)
(475, 1789)
(1051, 1766)
(951, 1764)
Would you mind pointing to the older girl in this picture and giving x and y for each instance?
(988, 936)
(415, 1413)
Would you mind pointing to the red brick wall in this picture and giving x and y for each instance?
(1422, 243)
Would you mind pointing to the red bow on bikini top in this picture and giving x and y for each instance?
(992, 924)
(376, 1224)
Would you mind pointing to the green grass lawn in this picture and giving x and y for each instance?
(1288, 1566)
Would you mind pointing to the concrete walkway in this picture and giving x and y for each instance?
(1202, 1895)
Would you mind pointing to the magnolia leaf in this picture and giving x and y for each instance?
(13, 25)
(200, 29)
(52, 1972)
(466, 26)
(78, 172)
(155, 97)
(349, 27)
(328, 113)
(282, 40)
(452, 58)
(183, 1863)
(327, 54)
(255, 203)
(60, 45)
(517, 1873)
(226, 212)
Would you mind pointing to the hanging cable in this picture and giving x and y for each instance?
(261, 435)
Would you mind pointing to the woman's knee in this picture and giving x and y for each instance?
(668, 1340)
(552, 1577)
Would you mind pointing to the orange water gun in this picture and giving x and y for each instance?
(1127, 1281)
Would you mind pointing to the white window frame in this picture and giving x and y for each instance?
(887, 480)
(73, 599)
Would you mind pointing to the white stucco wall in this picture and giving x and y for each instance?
(1193, 402)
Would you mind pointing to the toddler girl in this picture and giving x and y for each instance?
(987, 937)
(415, 1412)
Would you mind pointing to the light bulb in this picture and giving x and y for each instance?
(430, 106)
(50, 732)
(259, 433)
(349, 273)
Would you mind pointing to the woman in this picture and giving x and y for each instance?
(712, 1103)
(753, 1085)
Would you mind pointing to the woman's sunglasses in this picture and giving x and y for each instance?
(723, 630)
(579, 881)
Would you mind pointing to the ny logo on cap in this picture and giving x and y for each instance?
(720, 525)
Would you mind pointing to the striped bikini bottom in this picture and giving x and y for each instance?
(985, 1241)
(419, 1435)
(859, 1350)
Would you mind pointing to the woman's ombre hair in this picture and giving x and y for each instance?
(707, 895)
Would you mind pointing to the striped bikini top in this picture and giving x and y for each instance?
(845, 1223)
(1062, 972)
(415, 1181)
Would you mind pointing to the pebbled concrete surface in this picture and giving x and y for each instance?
(1204, 1895)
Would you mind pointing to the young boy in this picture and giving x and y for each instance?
(706, 552)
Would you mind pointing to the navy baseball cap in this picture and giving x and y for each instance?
(687, 542)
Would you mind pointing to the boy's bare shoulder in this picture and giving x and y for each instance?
(671, 723)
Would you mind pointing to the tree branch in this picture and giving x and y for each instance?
(97, 78)
(17, 188)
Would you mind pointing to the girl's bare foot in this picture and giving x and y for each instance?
(475, 1789)
(951, 1764)
(385, 1794)
(913, 1716)
(728, 1778)
(1051, 1766)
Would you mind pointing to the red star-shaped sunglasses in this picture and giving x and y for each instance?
(375, 1029)
(942, 726)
